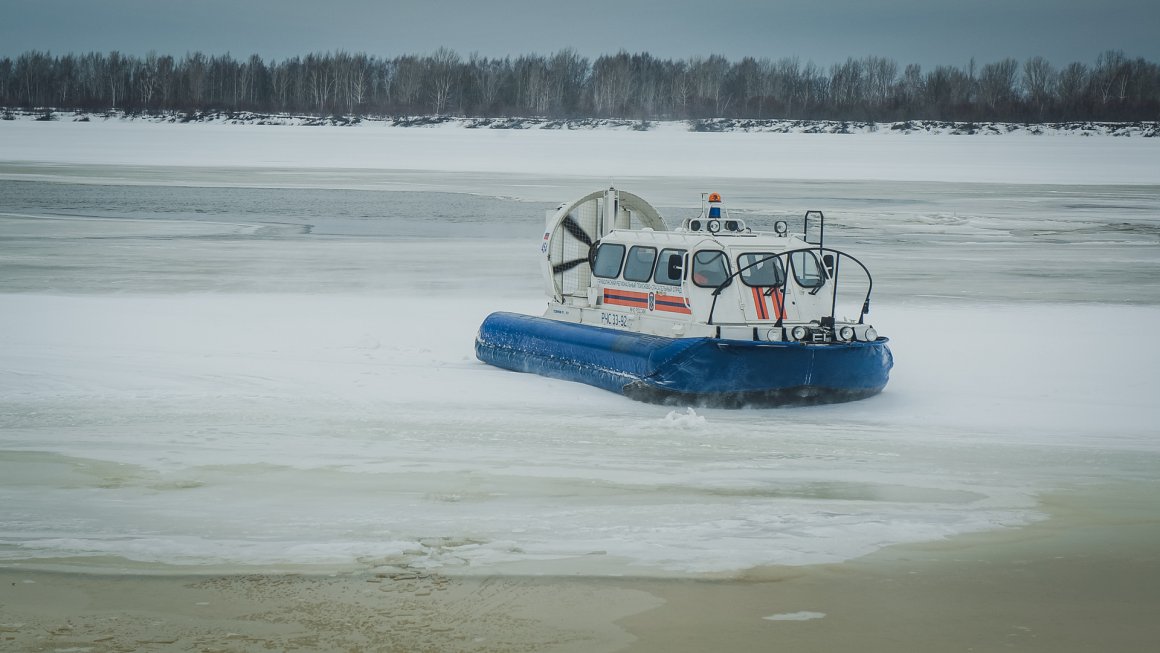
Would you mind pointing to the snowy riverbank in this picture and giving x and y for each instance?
(1084, 128)
(607, 151)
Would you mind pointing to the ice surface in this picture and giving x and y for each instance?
(248, 376)
(796, 616)
(283, 429)
(603, 154)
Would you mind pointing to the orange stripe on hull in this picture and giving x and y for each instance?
(759, 303)
(776, 298)
(671, 304)
(666, 303)
(616, 301)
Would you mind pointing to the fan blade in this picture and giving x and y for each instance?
(567, 265)
(576, 230)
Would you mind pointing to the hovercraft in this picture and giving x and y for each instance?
(711, 313)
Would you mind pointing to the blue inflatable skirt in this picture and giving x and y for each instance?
(686, 371)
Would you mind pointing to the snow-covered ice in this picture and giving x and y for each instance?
(672, 151)
(238, 376)
(804, 615)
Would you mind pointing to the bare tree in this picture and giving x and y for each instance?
(195, 74)
(997, 86)
(567, 72)
(5, 79)
(1108, 72)
(814, 87)
(784, 84)
(358, 82)
(1072, 88)
(612, 84)
(708, 76)
(1038, 83)
(443, 73)
(488, 75)
(32, 72)
(881, 74)
(680, 90)
(565, 84)
(165, 80)
(848, 86)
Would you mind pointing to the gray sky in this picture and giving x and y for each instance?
(927, 32)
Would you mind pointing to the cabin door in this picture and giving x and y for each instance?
(759, 282)
(710, 272)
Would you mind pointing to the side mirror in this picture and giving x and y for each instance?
(676, 267)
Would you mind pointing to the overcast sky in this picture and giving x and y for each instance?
(927, 32)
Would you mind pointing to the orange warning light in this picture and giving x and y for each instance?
(714, 197)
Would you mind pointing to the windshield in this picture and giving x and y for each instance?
(761, 269)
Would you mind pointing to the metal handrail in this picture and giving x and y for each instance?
(821, 228)
(789, 271)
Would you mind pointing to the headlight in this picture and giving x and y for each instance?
(846, 333)
(714, 226)
(800, 332)
(871, 334)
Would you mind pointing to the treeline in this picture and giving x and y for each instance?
(567, 85)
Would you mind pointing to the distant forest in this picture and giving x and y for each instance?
(567, 85)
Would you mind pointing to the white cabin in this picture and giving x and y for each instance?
(610, 260)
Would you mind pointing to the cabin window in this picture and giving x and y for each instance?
(639, 266)
(761, 269)
(671, 267)
(806, 269)
(609, 257)
(710, 268)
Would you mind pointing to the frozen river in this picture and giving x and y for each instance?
(274, 368)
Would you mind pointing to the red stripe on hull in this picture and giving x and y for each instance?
(666, 303)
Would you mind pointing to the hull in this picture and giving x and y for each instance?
(686, 371)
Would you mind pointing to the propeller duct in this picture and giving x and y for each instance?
(576, 231)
